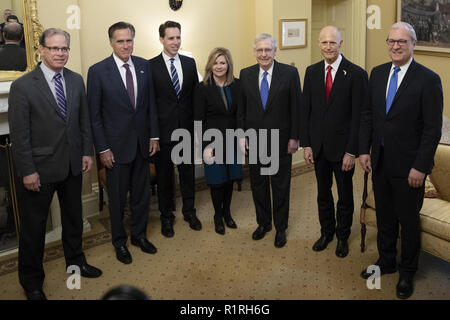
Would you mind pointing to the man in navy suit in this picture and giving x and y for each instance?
(125, 128)
(175, 77)
(333, 94)
(401, 125)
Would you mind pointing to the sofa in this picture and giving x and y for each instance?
(435, 213)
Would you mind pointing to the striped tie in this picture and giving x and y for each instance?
(60, 97)
(175, 80)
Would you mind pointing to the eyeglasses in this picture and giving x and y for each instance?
(261, 51)
(329, 43)
(64, 50)
(392, 42)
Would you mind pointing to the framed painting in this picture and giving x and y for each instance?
(293, 33)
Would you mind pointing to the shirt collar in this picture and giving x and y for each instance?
(49, 73)
(167, 58)
(335, 65)
(270, 71)
(404, 67)
(120, 63)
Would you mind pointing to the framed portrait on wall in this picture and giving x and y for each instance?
(431, 20)
(293, 33)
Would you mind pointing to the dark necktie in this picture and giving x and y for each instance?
(175, 80)
(264, 91)
(130, 85)
(329, 82)
(392, 89)
(60, 96)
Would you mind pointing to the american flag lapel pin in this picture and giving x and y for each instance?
(345, 72)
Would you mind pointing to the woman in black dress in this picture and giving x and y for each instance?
(215, 106)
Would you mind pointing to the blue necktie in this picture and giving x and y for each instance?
(264, 91)
(175, 80)
(392, 89)
(60, 96)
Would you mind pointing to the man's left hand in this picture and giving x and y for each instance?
(153, 147)
(292, 146)
(348, 162)
(416, 178)
(87, 163)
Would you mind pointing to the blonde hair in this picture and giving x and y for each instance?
(216, 53)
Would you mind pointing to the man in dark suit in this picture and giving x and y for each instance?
(12, 55)
(175, 78)
(401, 124)
(6, 14)
(52, 147)
(333, 94)
(124, 126)
(270, 99)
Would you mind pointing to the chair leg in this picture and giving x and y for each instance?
(239, 183)
(363, 237)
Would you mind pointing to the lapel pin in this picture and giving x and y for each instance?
(142, 71)
(345, 72)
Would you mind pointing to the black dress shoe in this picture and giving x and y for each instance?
(123, 255)
(35, 295)
(280, 239)
(322, 243)
(383, 270)
(230, 222)
(167, 229)
(89, 271)
(405, 287)
(342, 248)
(145, 245)
(194, 223)
(260, 232)
(218, 225)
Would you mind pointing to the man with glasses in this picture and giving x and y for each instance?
(333, 94)
(401, 126)
(52, 147)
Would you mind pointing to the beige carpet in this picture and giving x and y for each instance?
(205, 265)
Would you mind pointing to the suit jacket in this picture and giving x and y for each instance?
(116, 124)
(42, 140)
(283, 103)
(333, 126)
(13, 57)
(413, 126)
(174, 112)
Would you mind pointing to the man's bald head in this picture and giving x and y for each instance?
(12, 32)
(330, 42)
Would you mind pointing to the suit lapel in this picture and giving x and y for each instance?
(69, 92)
(165, 74)
(116, 79)
(44, 88)
(341, 73)
(140, 78)
(405, 82)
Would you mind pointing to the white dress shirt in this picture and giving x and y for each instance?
(269, 75)
(334, 67)
(400, 75)
(177, 64)
(49, 75)
(123, 74)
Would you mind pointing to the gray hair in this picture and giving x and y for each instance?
(13, 31)
(407, 27)
(51, 32)
(265, 36)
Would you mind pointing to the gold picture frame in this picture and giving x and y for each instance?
(293, 33)
(426, 21)
(32, 31)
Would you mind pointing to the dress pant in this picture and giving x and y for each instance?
(329, 223)
(34, 208)
(397, 204)
(221, 197)
(281, 185)
(135, 178)
(165, 181)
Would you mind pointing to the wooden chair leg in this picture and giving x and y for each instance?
(363, 237)
(100, 200)
(239, 183)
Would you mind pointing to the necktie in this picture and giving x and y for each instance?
(130, 85)
(175, 80)
(264, 91)
(328, 83)
(60, 96)
(392, 89)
